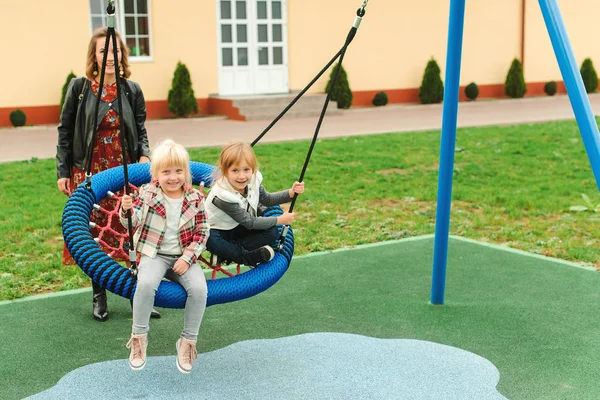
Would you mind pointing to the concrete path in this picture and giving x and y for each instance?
(40, 141)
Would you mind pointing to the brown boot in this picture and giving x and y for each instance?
(137, 356)
(186, 354)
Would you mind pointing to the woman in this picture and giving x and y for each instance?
(76, 129)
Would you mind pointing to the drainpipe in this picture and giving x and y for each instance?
(523, 33)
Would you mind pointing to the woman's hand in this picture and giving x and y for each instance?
(181, 266)
(144, 159)
(64, 185)
(126, 202)
(297, 187)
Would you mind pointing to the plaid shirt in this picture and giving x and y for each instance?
(150, 218)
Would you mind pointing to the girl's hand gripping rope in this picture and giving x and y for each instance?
(287, 218)
(126, 204)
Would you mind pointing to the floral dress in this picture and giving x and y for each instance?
(107, 154)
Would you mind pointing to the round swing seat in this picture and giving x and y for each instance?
(111, 275)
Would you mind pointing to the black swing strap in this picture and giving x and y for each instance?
(359, 14)
(111, 35)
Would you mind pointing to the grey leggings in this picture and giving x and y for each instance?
(150, 273)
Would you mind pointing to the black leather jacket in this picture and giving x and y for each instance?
(75, 130)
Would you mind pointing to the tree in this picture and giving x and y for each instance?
(515, 81)
(589, 76)
(64, 89)
(181, 100)
(432, 87)
(341, 91)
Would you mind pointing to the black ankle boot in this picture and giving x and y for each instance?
(100, 310)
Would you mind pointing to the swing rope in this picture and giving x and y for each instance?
(340, 54)
(122, 127)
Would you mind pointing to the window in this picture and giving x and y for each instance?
(132, 22)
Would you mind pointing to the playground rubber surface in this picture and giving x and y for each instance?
(353, 323)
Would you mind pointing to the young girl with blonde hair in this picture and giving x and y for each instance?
(238, 231)
(172, 231)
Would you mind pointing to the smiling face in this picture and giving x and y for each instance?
(109, 73)
(239, 176)
(171, 180)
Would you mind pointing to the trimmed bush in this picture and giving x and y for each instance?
(432, 87)
(550, 88)
(64, 88)
(589, 76)
(341, 91)
(181, 100)
(515, 81)
(17, 117)
(472, 91)
(380, 99)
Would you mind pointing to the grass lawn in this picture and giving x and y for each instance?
(513, 185)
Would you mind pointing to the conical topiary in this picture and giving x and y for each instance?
(515, 81)
(432, 87)
(589, 76)
(181, 100)
(64, 89)
(341, 91)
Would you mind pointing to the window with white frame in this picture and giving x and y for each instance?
(132, 22)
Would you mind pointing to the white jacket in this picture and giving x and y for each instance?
(217, 218)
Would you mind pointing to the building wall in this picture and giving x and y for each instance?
(580, 18)
(41, 42)
(44, 42)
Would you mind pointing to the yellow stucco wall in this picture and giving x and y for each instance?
(45, 40)
(184, 32)
(39, 39)
(396, 40)
(581, 21)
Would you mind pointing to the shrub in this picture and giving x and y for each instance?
(181, 100)
(17, 117)
(341, 91)
(550, 88)
(380, 99)
(64, 88)
(515, 81)
(432, 87)
(472, 91)
(589, 76)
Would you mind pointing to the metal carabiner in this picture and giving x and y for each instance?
(361, 11)
(110, 11)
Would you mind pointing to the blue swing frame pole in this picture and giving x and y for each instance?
(573, 82)
(448, 144)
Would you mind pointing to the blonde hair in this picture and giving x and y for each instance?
(90, 66)
(170, 154)
(235, 153)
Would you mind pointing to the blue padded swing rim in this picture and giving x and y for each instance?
(111, 275)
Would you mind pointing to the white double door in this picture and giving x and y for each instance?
(252, 36)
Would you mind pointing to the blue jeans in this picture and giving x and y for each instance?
(234, 244)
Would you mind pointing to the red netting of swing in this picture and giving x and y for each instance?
(115, 247)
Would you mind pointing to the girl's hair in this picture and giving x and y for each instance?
(90, 67)
(170, 154)
(235, 153)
